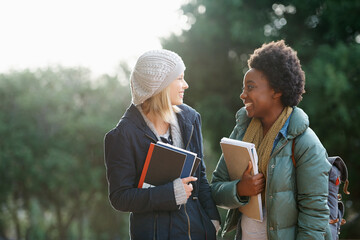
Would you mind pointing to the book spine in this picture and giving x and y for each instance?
(146, 165)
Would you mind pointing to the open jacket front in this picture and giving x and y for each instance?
(296, 199)
(153, 211)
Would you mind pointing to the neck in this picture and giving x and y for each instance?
(160, 125)
(270, 119)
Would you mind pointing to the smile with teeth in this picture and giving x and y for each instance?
(248, 105)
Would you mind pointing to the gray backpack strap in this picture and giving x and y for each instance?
(341, 166)
(337, 174)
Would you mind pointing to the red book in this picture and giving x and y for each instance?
(146, 165)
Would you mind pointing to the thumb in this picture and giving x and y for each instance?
(249, 168)
(189, 179)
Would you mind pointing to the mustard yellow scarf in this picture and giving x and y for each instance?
(264, 144)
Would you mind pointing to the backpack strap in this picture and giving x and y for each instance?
(340, 164)
(292, 152)
(337, 161)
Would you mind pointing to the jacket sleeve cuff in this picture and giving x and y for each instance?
(217, 225)
(242, 199)
(179, 191)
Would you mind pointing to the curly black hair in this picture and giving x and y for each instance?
(282, 68)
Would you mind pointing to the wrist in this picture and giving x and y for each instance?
(239, 189)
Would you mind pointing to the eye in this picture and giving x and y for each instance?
(248, 87)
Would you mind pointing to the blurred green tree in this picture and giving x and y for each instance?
(333, 104)
(223, 34)
(326, 35)
(52, 124)
(52, 121)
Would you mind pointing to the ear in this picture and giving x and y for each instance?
(277, 94)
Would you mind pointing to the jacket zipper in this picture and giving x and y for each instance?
(187, 215)
(156, 215)
(155, 227)
(188, 219)
(267, 187)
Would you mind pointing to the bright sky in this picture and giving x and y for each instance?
(97, 34)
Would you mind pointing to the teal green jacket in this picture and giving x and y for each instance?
(296, 198)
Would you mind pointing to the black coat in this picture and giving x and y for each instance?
(153, 211)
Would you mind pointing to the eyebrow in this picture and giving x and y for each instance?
(250, 81)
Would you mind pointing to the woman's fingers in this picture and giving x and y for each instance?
(251, 185)
(188, 189)
(187, 185)
(189, 179)
(249, 169)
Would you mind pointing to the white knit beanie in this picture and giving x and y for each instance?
(153, 72)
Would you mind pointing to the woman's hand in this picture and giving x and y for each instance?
(250, 185)
(188, 186)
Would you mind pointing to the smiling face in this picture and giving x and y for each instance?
(258, 97)
(177, 89)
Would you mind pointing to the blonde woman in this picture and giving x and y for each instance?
(182, 209)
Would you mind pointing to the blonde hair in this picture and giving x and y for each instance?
(160, 104)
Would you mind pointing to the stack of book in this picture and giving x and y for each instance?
(237, 155)
(164, 163)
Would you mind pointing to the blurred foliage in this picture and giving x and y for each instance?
(333, 104)
(52, 121)
(53, 184)
(326, 35)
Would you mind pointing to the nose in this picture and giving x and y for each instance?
(243, 95)
(185, 85)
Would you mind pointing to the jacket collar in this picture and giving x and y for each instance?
(133, 114)
(186, 119)
(298, 123)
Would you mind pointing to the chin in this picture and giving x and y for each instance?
(249, 113)
(176, 103)
(179, 102)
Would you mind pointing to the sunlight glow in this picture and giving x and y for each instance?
(97, 34)
(357, 38)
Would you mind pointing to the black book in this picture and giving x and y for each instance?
(164, 163)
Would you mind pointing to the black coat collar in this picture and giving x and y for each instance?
(186, 118)
(186, 121)
(134, 115)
